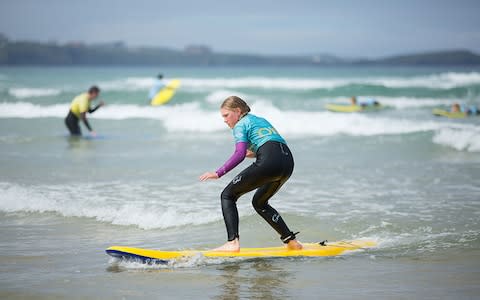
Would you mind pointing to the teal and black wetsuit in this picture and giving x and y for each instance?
(272, 168)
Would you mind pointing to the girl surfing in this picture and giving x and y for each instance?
(254, 137)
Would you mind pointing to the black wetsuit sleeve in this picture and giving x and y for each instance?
(91, 110)
(85, 121)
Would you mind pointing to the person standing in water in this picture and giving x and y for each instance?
(157, 86)
(254, 137)
(78, 111)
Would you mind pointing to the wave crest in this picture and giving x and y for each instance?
(459, 139)
(144, 213)
(23, 93)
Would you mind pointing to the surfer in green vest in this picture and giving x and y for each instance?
(78, 111)
(254, 137)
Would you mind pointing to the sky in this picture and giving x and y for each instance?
(349, 29)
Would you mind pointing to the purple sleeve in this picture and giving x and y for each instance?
(237, 157)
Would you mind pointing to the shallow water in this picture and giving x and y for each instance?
(400, 176)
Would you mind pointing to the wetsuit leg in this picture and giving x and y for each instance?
(72, 123)
(267, 212)
(240, 185)
(273, 167)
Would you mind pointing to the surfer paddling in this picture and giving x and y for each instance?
(254, 137)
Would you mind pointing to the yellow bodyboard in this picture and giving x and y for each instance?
(309, 249)
(343, 108)
(348, 108)
(165, 94)
(446, 113)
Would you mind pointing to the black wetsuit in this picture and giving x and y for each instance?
(272, 168)
(72, 122)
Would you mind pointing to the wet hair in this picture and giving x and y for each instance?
(234, 102)
(160, 76)
(94, 90)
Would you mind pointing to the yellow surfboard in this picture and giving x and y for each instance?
(343, 108)
(165, 94)
(348, 108)
(446, 113)
(309, 249)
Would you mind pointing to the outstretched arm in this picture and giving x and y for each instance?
(237, 157)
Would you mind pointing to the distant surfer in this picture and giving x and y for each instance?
(157, 86)
(364, 102)
(78, 111)
(467, 110)
(254, 137)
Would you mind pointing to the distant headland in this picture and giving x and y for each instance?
(18, 53)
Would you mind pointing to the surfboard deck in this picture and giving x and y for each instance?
(309, 250)
(167, 93)
(445, 113)
(347, 108)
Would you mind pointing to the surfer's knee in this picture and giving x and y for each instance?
(259, 206)
(228, 195)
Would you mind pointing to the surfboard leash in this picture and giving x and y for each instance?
(324, 243)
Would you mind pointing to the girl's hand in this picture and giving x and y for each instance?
(208, 175)
(250, 154)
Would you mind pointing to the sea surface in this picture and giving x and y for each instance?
(400, 176)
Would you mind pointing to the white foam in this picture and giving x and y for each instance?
(413, 102)
(29, 110)
(128, 84)
(264, 83)
(190, 117)
(116, 204)
(183, 117)
(459, 139)
(440, 81)
(23, 93)
(305, 123)
(192, 261)
(218, 96)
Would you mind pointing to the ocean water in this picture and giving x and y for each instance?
(400, 176)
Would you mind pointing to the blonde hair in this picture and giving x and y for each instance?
(234, 102)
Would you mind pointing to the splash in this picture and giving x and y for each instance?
(459, 139)
(118, 204)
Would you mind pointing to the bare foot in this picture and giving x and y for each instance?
(294, 245)
(230, 246)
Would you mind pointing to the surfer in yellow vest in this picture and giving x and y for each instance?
(254, 137)
(157, 86)
(78, 111)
